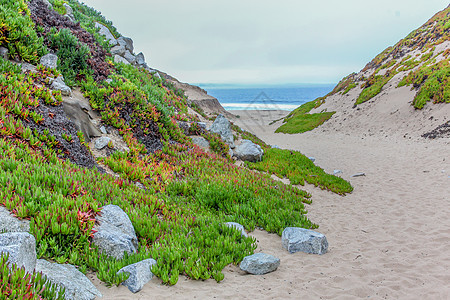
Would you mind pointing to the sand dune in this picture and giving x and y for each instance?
(388, 239)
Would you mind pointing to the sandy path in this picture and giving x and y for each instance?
(388, 239)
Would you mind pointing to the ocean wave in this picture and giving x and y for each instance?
(258, 106)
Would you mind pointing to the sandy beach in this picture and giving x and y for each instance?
(388, 239)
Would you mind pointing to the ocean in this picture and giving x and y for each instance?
(266, 98)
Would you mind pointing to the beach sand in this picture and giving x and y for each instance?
(387, 240)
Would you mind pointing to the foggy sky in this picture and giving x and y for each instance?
(260, 42)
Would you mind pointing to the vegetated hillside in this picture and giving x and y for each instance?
(404, 90)
(177, 196)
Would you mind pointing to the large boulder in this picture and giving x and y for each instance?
(8, 223)
(126, 42)
(21, 247)
(81, 114)
(59, 85)
(222, 127)
(115, 233)
(248, 151)
(140, 274)
(103, 30)
(200, 141)
(140, 59)
(49, 61)
(118, 50)
(77, 285)
(295, 239)
(130, 57)
(259, 264)
(238, 227)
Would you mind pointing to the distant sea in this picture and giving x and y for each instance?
(266, 98)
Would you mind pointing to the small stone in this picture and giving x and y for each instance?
(4, 53)
(69, 10)
(70, 17)
(102, 142)
(202, 125)
(359, 174)
(201, 142)
(140, 274)
(296, 239)
(59, 85)
(103, 130)
(275, 147)
(156, 74)
(48, 4)
(313, 159)
(21, 247)
(259, 264)
(49, 61)
(238, 227)
(335, 172)
(139, 185)
(29, 67)
(140, 59)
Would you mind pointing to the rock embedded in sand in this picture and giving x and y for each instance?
(296, 239)
(222, 127)
(77, 285)
(259, 264)
(140, 274)
(249, 151)
(335, 172)
(21, 247)
(115, 232)
(238, 227)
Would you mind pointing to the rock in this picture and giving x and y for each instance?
(69, 10)
(59, 85)
(4, 53)
(80, 113)
(335, 172)
(49, 61)
(249, 151)
(202, 125)
(275, 147)
(120, 59)
(102, 142)
(313, 159)
(156, 74)
(295, 239)
(109, 80)
(230, 152)
(8, 223)
(126, 42)
(238, 227)
(259, 264)
(48, 4)
(184, 126)
(130, 57)
(115, 233)
(77, 285)
(200, 141)
(71, 18)
(359, 174)
(103, 130)
(106, 33)
(21, 247)
(222, 127)
(140, 274)
(118, 50)
(27, 67)
(140, 59)
(139, 185)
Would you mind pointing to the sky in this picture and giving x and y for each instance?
(258, 42)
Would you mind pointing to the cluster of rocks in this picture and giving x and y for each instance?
(246, 150)
(122, 50)
(115, 235)
(51, 61)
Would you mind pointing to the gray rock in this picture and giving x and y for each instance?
(69, 10)
(202, 125)
(140, 274)
(156, 74)
(27, 67)
(107, 34)
(120, 59)
(118, 50)
(200, 141)
(222, 127)
(185, 126)
(249, 151)
(49, 61)
(359, 174)
(238, 227)
(130, 57)
(77, 285)
(49, 5)
(335, 172)
(103, 130)
(313, 159)
(21, 247)
(4, 53)
(102, 142)
(230, 152)
(59, 85)
(70, 17)
(109, 80)
(126, 42)
(80, 113)
(295, 239)
(115, 233)
(139, 185)
(275, 147)
(140, 59)
(8, 223)
(259, 264)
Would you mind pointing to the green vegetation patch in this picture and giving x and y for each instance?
(17, 32)
(299, 169)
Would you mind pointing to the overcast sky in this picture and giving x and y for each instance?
(262, 41)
